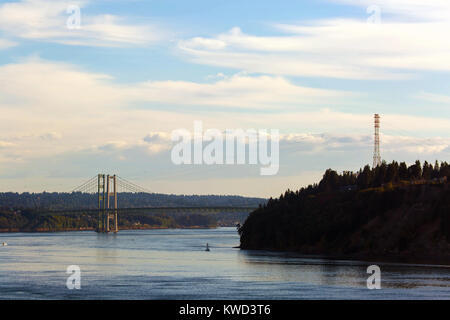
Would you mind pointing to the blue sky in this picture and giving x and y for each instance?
(78, 102)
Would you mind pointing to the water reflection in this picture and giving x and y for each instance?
(272, 266)
(106, 251)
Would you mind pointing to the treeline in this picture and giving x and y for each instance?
(367, 177)
(393, 172)
(29, 221)
(391, 210)
(78, 200)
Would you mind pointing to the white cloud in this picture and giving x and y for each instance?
(157, 137)
(58, 87)
(113, 145)
(418, 9)
(414, 145)
(51, 136)
(5, 144)
(52, 107)
(155, 170)
(335, 48)
(319, 143)
(5, 44)
(262, 92)
(47, 20)
(67, 108)
(435, 98)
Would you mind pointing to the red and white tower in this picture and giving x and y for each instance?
(376, 149)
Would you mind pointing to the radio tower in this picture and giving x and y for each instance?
(376, 149)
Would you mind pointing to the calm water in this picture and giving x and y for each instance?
(172, 264)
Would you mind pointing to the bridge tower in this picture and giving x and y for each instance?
(107, 188)
(101, 201)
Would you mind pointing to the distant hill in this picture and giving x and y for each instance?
(30, 221)
(21, 212)
(390, 212)
(78, 200)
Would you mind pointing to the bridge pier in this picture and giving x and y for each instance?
(116, 222)
(104, 197)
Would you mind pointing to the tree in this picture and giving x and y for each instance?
(380, 174)
(427, 171)
(403, 171)
(415, 171)
(330, 181)
(392, 172)
(436, 169)
(365, 178)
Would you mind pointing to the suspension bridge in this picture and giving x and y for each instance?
(108, 188)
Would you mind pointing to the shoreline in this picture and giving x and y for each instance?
(364, 257)
(93, 229)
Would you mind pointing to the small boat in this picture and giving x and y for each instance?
(207, 247)
(4, 244)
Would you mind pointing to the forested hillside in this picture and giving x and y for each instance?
(30, 221)
(78, 200)
(390, 211)
(28, 211)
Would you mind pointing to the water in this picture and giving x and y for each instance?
(173, 264)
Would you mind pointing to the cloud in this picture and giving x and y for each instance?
(52, 107)
(47, 20)
(58, 87)
(326, 142)
(154, 169)
(51, 136)
(238, 91)
(5, 44)
(155, 137)
(435, 98)
(315, 143)
(427, 10)
(5, 144)
(113, 146)
(333, 48)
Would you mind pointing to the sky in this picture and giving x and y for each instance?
(102, 91)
